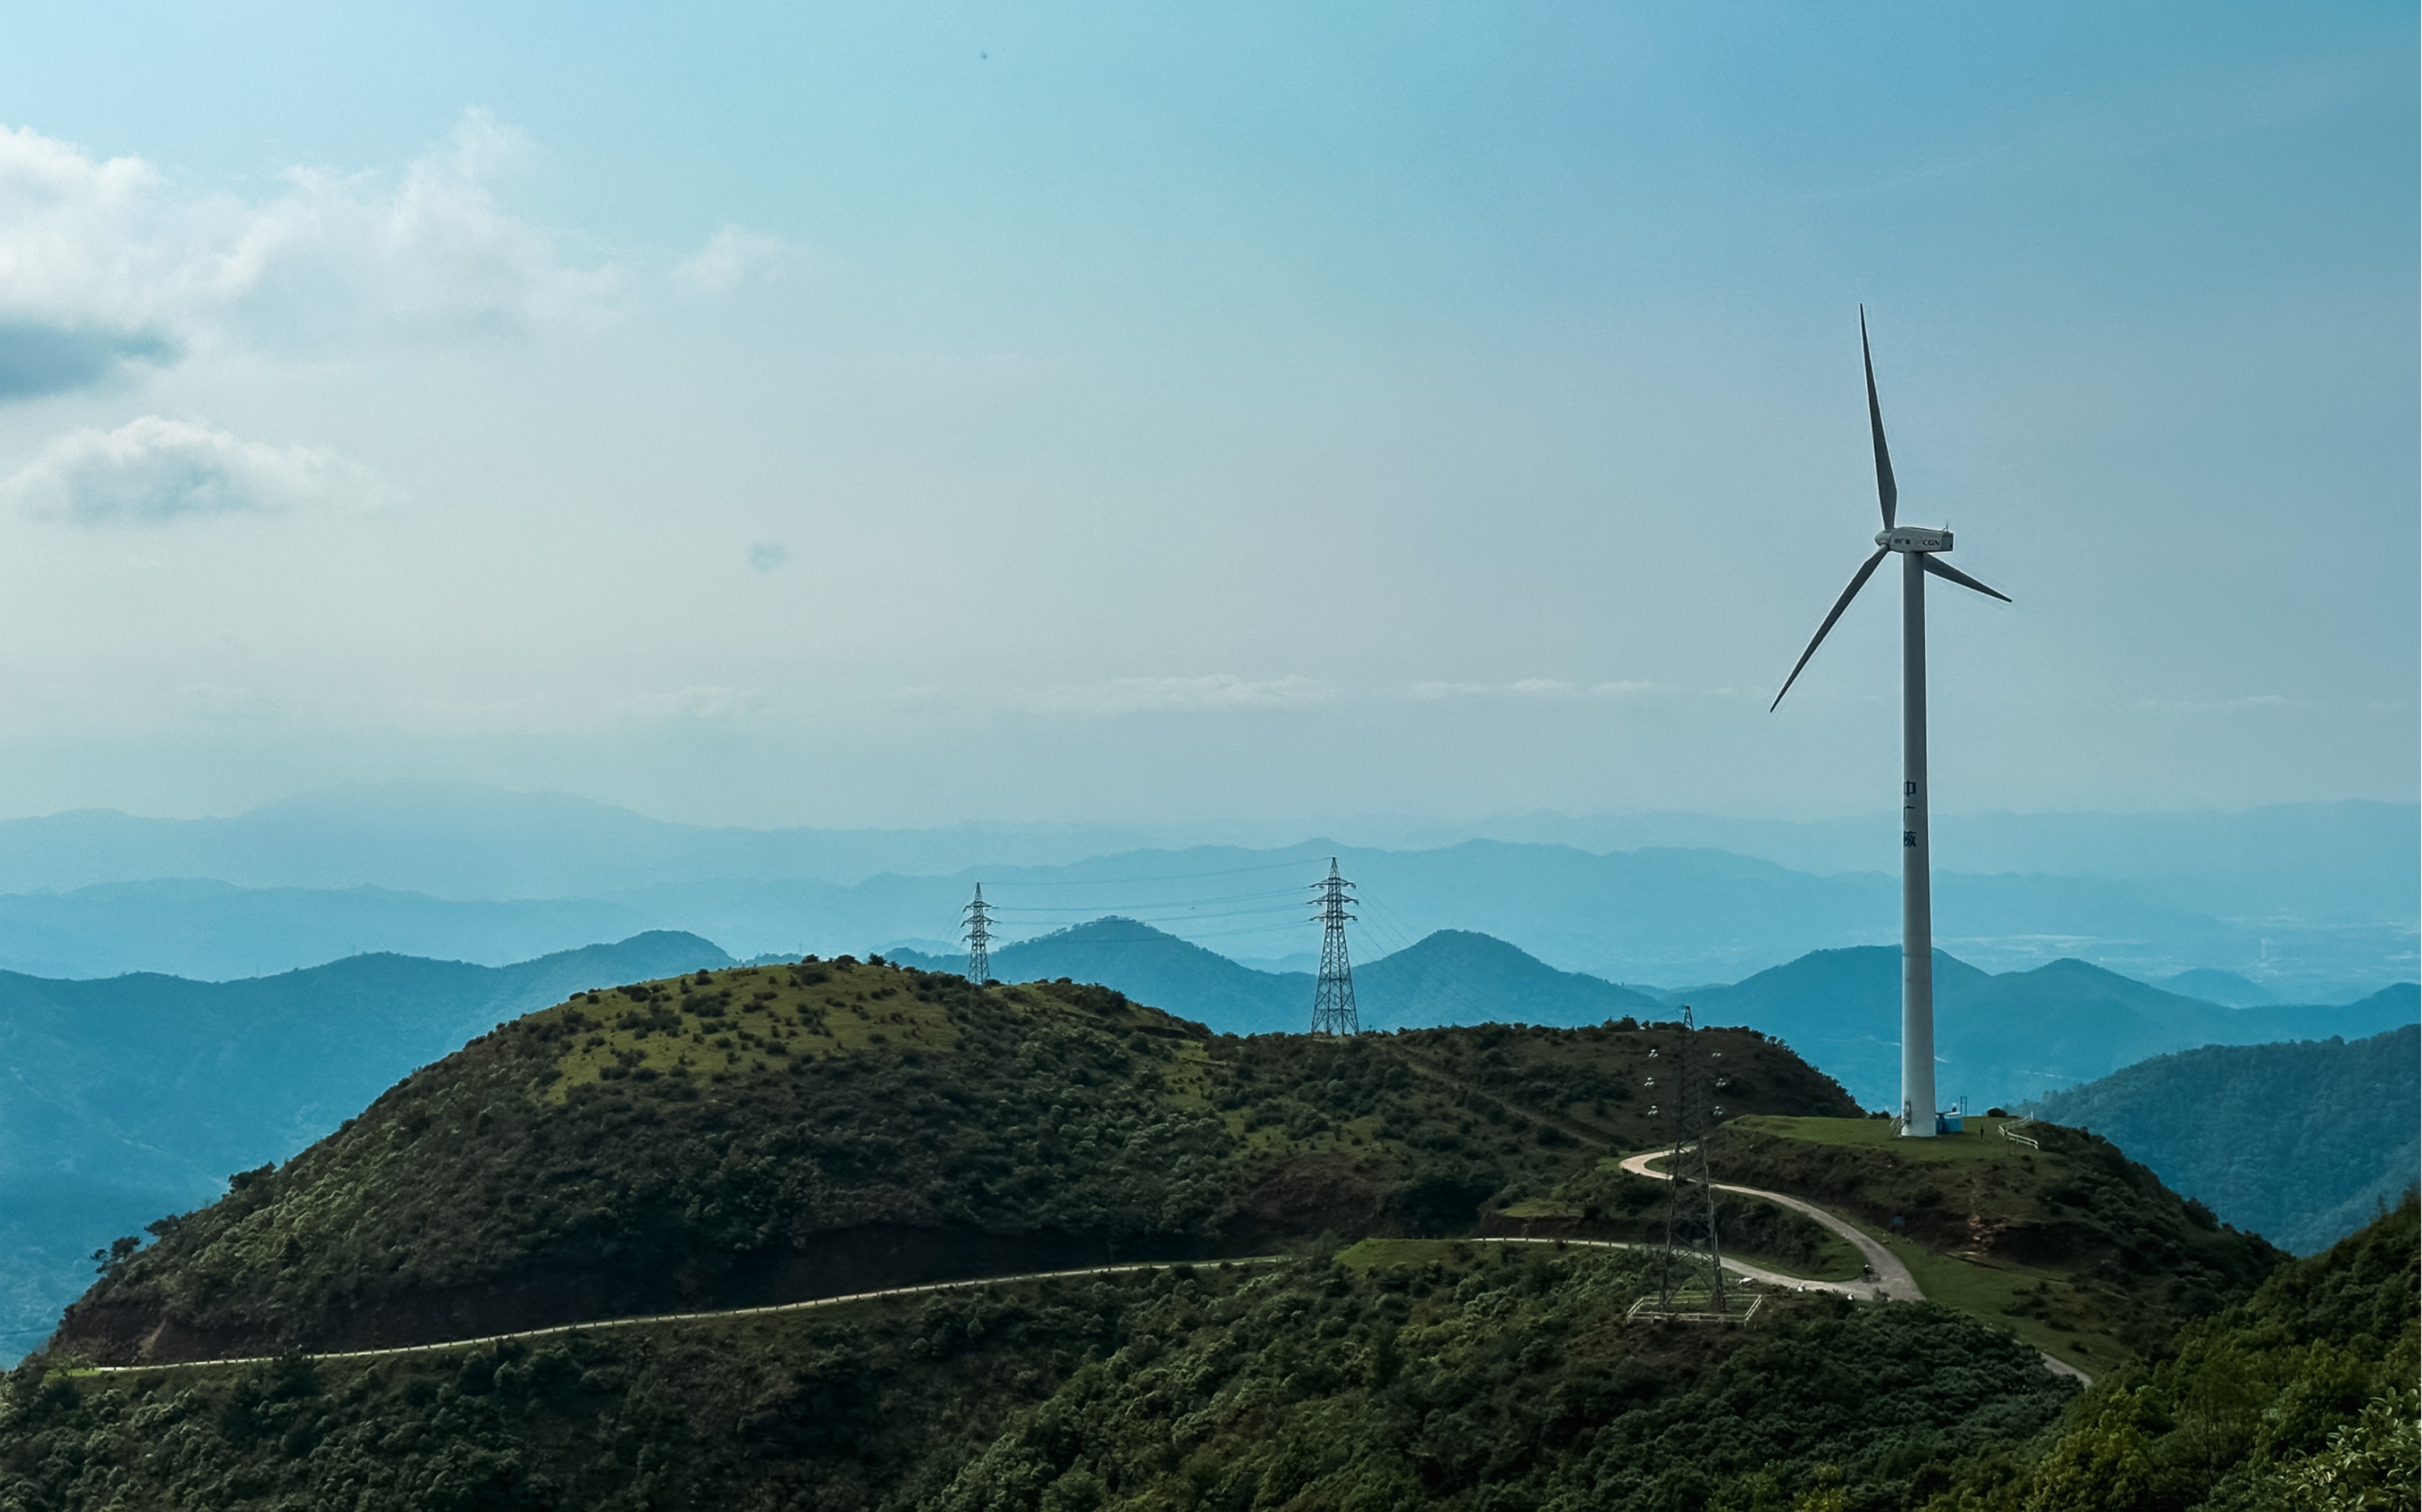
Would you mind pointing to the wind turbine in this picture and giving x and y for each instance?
(1922, 549)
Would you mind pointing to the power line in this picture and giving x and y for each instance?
(1174, 877)
(1078, 916)
(1264, 930)
(1225, 897)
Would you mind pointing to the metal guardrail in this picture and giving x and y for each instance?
(2010, 1132)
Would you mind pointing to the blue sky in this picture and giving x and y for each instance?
(1141, 413)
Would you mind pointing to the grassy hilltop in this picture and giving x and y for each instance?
(770, 1133)
(2067, 1242)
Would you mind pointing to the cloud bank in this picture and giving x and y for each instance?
(154, 472)
(1220, 690)
(107, 261)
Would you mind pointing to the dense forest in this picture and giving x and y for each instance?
(1464, 1376)
(2222, 1123)
(1435, 1373)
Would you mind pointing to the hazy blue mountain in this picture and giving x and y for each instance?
(215, 932)
(1451, 977)
(2224, 988)
(124, 1099)
(462, 840)
(1456, 976)
(1660, 916)
(2006, 1038)
(1152, 968)
(2309, 902)
(2303, 1143)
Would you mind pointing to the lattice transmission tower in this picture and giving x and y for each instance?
(1691, 1270)
(979, 932)
(1332, 1000)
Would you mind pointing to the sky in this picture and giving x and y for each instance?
(903, 416)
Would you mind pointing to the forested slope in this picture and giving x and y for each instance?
(2337, 1120)
(2303, 1396)
(1452, 1376)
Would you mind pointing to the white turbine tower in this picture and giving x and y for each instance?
(1920, 552)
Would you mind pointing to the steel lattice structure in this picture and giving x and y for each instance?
(1692, 1257)
(1332, 1000)
(979, 932)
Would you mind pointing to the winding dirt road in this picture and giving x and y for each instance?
(1893, 1280)
(687, 1317)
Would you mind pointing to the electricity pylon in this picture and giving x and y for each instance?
(979, 932)
(1332, 1000)
(1690, 1244)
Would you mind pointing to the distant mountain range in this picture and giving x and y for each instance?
(125, 1099)
(2304, 1142)
(1451, 977)
(2001, 1038)
(2006, 1038)
(1663, 917)
(2307, 903)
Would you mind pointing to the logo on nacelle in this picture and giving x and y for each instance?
(1913, 538)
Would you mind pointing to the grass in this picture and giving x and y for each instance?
(746, 1019)
(2042, 1307)
(1387, 1254)
(1836, 1260)
(1982, 1140)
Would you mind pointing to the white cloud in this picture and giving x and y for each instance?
(732, 256)
(2246, 700)
(1220, 690)
(103, 261)
(703, 704)
(1533, 687)
(154, 471)
(433, 251)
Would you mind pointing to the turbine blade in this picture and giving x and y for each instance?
(1887, 491)
(1944, 570)
(1866, 569)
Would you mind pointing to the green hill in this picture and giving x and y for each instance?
(134, 1096)
(766, 1133)
(2226, 1123)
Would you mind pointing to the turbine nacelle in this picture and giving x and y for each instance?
(1913, 538)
